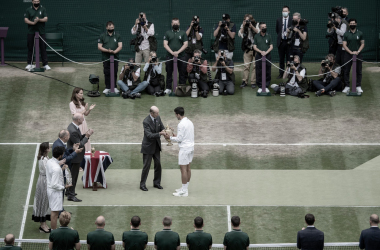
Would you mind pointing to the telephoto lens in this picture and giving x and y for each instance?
(154, 59)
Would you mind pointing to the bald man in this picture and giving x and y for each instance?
(370, 238)
(100, 239)
(9, 243)
(151, 147)
(76, 137)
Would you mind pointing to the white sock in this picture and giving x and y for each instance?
(187, 185)
(184, 187)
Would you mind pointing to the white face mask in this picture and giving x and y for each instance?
(285, 14)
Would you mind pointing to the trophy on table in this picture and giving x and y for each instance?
(93, 152)
(169, 131)
(69, 178)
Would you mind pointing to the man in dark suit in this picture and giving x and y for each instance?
(310, 238)
(370, 238)
(76, 137)
(282, 24)
(151, 147)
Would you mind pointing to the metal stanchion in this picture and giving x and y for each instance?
(263, 78)
(175, 75)
(37, 54)
(112, 93)
(353, 87)
(3, 34)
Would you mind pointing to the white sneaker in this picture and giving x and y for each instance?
(273, 86)
(259, 90)
(29, 67)
(346, 90)
(177, 190)
(267, 90)
(181, 193)
(359, 89)
(167, 91)
(116, 90)
(105, 91)
(47, 67)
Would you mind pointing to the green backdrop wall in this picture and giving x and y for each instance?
(81, 22)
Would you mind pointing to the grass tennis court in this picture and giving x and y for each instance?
(307, 147)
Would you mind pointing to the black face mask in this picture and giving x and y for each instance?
(352, 27)
(36, 5)
(344, 15)
(110, 31)
(264, 30)
(175, 27)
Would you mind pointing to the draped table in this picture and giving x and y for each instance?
(94, 167)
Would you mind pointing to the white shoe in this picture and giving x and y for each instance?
(116, 90)
(177, 190)
(47, 67)
(346, 90)
(267, 90)
(105, 91)
(273, 86)
(167, 91)
(29, 67)
(181, 193)
(259, 90)
(359, 89)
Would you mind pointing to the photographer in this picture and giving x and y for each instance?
(197, 69)
(152, 75)
(331, 80)
(296, 83)
(345, 14)
(130, 82)
(263, 46)
(225, 75)
(194, 36)
(297, 35)
(145, 40)
(248, 29)
(224, 34)
(338, 26)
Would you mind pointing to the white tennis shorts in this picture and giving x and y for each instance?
(55, 200)
(185, 157)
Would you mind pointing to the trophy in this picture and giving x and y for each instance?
(69, 178)
(169, 131)
(93, 152)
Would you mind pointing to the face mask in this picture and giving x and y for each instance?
(344, 15)
(296, 64)
(264, 30)
(285, 14)
(175, 27)
(36, 5)
(352, 27)
(110, 31)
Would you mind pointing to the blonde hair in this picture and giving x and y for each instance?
(64, 218)
(152, 52)
(297, 14)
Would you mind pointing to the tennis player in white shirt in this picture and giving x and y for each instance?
(185, 139)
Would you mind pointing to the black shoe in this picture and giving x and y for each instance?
(75, 199)
(225, 92)
(332, 93)
(47, 232)
(158, 186)
(67, 193)
(318, 93)
(132, 96)
(279, 76)
(253, 86)
(138, 95)
(157, 94)
(125, 95)
(243, 84)
(143, 188)
(205, 94)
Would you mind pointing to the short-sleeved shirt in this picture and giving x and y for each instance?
(31, 13)
(10, 247)
(166, 240)
(199, 240)
(100, 240)
(236, 240)
(109, 42)
(175, 40)
(293, 81)
(297, 40)
(353, 39)
(135, 239)
(224, 45)
(64, 238)
(336, 68)
(263, 42)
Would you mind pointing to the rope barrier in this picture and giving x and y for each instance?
(220, 67)
(366, 61)
(142, 63)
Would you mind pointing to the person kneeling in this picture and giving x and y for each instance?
(332, 80)
(130, 82)
(197, 69)
(152, 76)
(296, 84)
(225, 76)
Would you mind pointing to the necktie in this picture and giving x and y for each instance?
(155, 124)
(284, 27)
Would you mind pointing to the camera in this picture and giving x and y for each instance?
(337, 10)
(282, 89)
(326, 62)
(224, 23)
(291, 61)
(332, 23)
(131, 66)
(141, 19)
(197, 59)
(153, 59)
(248, 22)
(195, 21)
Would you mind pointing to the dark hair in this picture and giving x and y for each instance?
(198, 222)
(42, 152)
(135, 221)
(235, 220)
(260, 23)
(131, 59)
(179, 111)
(167, 221)
(175, 19)
(75, 100)
(58, 151)
(285, 6)
(109, 23)
(352, 20)
(310, 219)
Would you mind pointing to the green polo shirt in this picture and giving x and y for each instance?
(100, 240)
(10, 247)
(236, 239)
(262, 42)
(175, 40)
(109, 42)
(199, 240)
(64, 238)
(353, 39)
(166, 240)
(135, 239)
(31, 13)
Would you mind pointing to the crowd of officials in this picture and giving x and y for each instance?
(66, 238)
(186, 44)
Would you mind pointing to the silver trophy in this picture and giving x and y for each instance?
(69, 178)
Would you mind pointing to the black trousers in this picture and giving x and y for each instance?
(283, 51)
(74, 174)
(327, 86)
(332, 48)
(297, 51)
(30, 44)
(107, 73)
(202, 85)
(339, 58)
(347, 69)
(181, 70)
(153, 89)
(259, 70)
(147, 160)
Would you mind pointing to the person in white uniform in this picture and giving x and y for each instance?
(55, 184)
(185, 139)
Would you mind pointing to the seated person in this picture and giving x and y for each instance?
(197, 69)
(225, 75)
(331, 80)
(152, 75)
(129, 80)
(296, 83)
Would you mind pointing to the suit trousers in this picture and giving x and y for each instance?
(249, 57)
(339, 58)
(74, 174)
(30, 44)
(283, 53)
(107, 73)
(147, 160)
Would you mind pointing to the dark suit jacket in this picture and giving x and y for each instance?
(370, 239)
(279, 28)
(69, 153)
(151, 135)
(310, 238)
(76, 137)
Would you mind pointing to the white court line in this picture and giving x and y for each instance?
(29, 193)
(229, 218)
